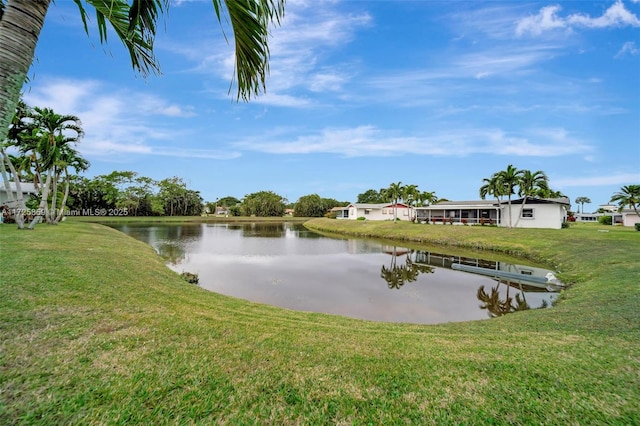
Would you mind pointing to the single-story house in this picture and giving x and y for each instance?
(629, 217)
(384, 211)
(535, 213)
(28, 189)
(626, 217)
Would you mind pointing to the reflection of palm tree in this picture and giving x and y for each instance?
(392, 276)
(397, 275)
(496, 306)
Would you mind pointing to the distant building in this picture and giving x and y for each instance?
(28, 189)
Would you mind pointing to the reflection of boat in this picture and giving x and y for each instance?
(549, 281)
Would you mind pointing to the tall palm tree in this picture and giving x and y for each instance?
(18, 126)
(410, 195)
(393, 193)
(629, 195)
(531, 184)
(69, 158)
(493, 186)
(50, 136)
(510, 179)
(581, 201)
(134, 23)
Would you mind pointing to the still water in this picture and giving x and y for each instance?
(289, 266)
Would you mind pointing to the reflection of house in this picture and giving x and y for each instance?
(383, 211)
(535, 213)
(28, 189)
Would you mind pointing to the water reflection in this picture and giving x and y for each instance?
(397, 275)
(170, 241)
(289, 266)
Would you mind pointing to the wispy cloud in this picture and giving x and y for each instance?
(629, 48)
(309, 32)
(117, 122)
(549, 19)
(370, 141)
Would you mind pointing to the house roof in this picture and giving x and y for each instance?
(26, 187)
(375, 206)
(531, 200)
(483, 204)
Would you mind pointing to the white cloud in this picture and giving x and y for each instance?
(368, 141)
(548, 19)
(118, 122)
(628, 48)
(615, 16)
(308, 31)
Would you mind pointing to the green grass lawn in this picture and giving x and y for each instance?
(94, 329)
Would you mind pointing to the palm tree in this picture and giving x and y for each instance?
(69, 157)
(427, 198)
(134, 23)
(393, 194)
(493, 186)
(629, 195)
(50, 135)
(581, 201)
(531, 184)
(509, 179)
(18, 127)
(410, 195)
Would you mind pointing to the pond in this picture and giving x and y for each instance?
(287, 265)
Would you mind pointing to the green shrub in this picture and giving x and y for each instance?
(190, 277)
(637, 225)
(362, 218)
(565, 225)
(605, 220)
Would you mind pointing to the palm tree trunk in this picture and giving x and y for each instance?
(43, 202)
(524, 202)
(19, 31)
(64, 198)
(19, 201)
(52, 212)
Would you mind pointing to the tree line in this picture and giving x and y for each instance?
(128, 193)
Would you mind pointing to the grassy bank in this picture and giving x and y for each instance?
(95, 329)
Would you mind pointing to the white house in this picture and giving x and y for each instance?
(627, 217)
(383, 211)
(28, 189)
(535, 213)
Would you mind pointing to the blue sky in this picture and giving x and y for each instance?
(362, 94)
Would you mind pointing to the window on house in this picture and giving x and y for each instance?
(367, 211)
(527, 213)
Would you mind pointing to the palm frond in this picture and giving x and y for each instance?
(251, 21)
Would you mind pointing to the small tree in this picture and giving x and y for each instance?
(310, 206)
(263, 204)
